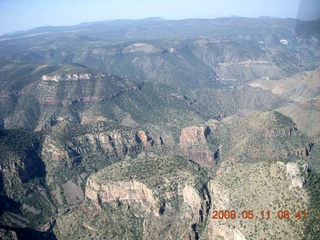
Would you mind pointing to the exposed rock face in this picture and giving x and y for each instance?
(51, 78)
(190, 197)
(297, 182)
(145, 196)
(118, 144)
(225, 232)
(125, 192)
(67, 77)
(67, 146)
(142, 137)
(194, 135)
(113, 143)
(295, 170)
(193, 144)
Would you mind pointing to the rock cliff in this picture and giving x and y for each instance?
(70, 147)
(67, 77)
(124, 192)
(160, 193)
(194, 135)
(194, 145)
(113, 142)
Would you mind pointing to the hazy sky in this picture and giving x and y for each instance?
(26, 14)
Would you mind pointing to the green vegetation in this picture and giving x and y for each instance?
(18, 141)
(312, 224)
(260, 186)
(98, 157)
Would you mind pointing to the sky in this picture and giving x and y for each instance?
(18, 15)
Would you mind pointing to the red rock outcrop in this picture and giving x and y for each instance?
(141, 136)
(194, 145)
(194, 135)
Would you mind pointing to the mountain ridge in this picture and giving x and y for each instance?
(147, 129)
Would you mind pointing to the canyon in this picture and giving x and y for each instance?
(130, 130)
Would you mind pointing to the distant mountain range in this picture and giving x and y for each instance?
(184, 54)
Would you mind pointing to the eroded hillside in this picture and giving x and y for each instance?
(155, 129)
